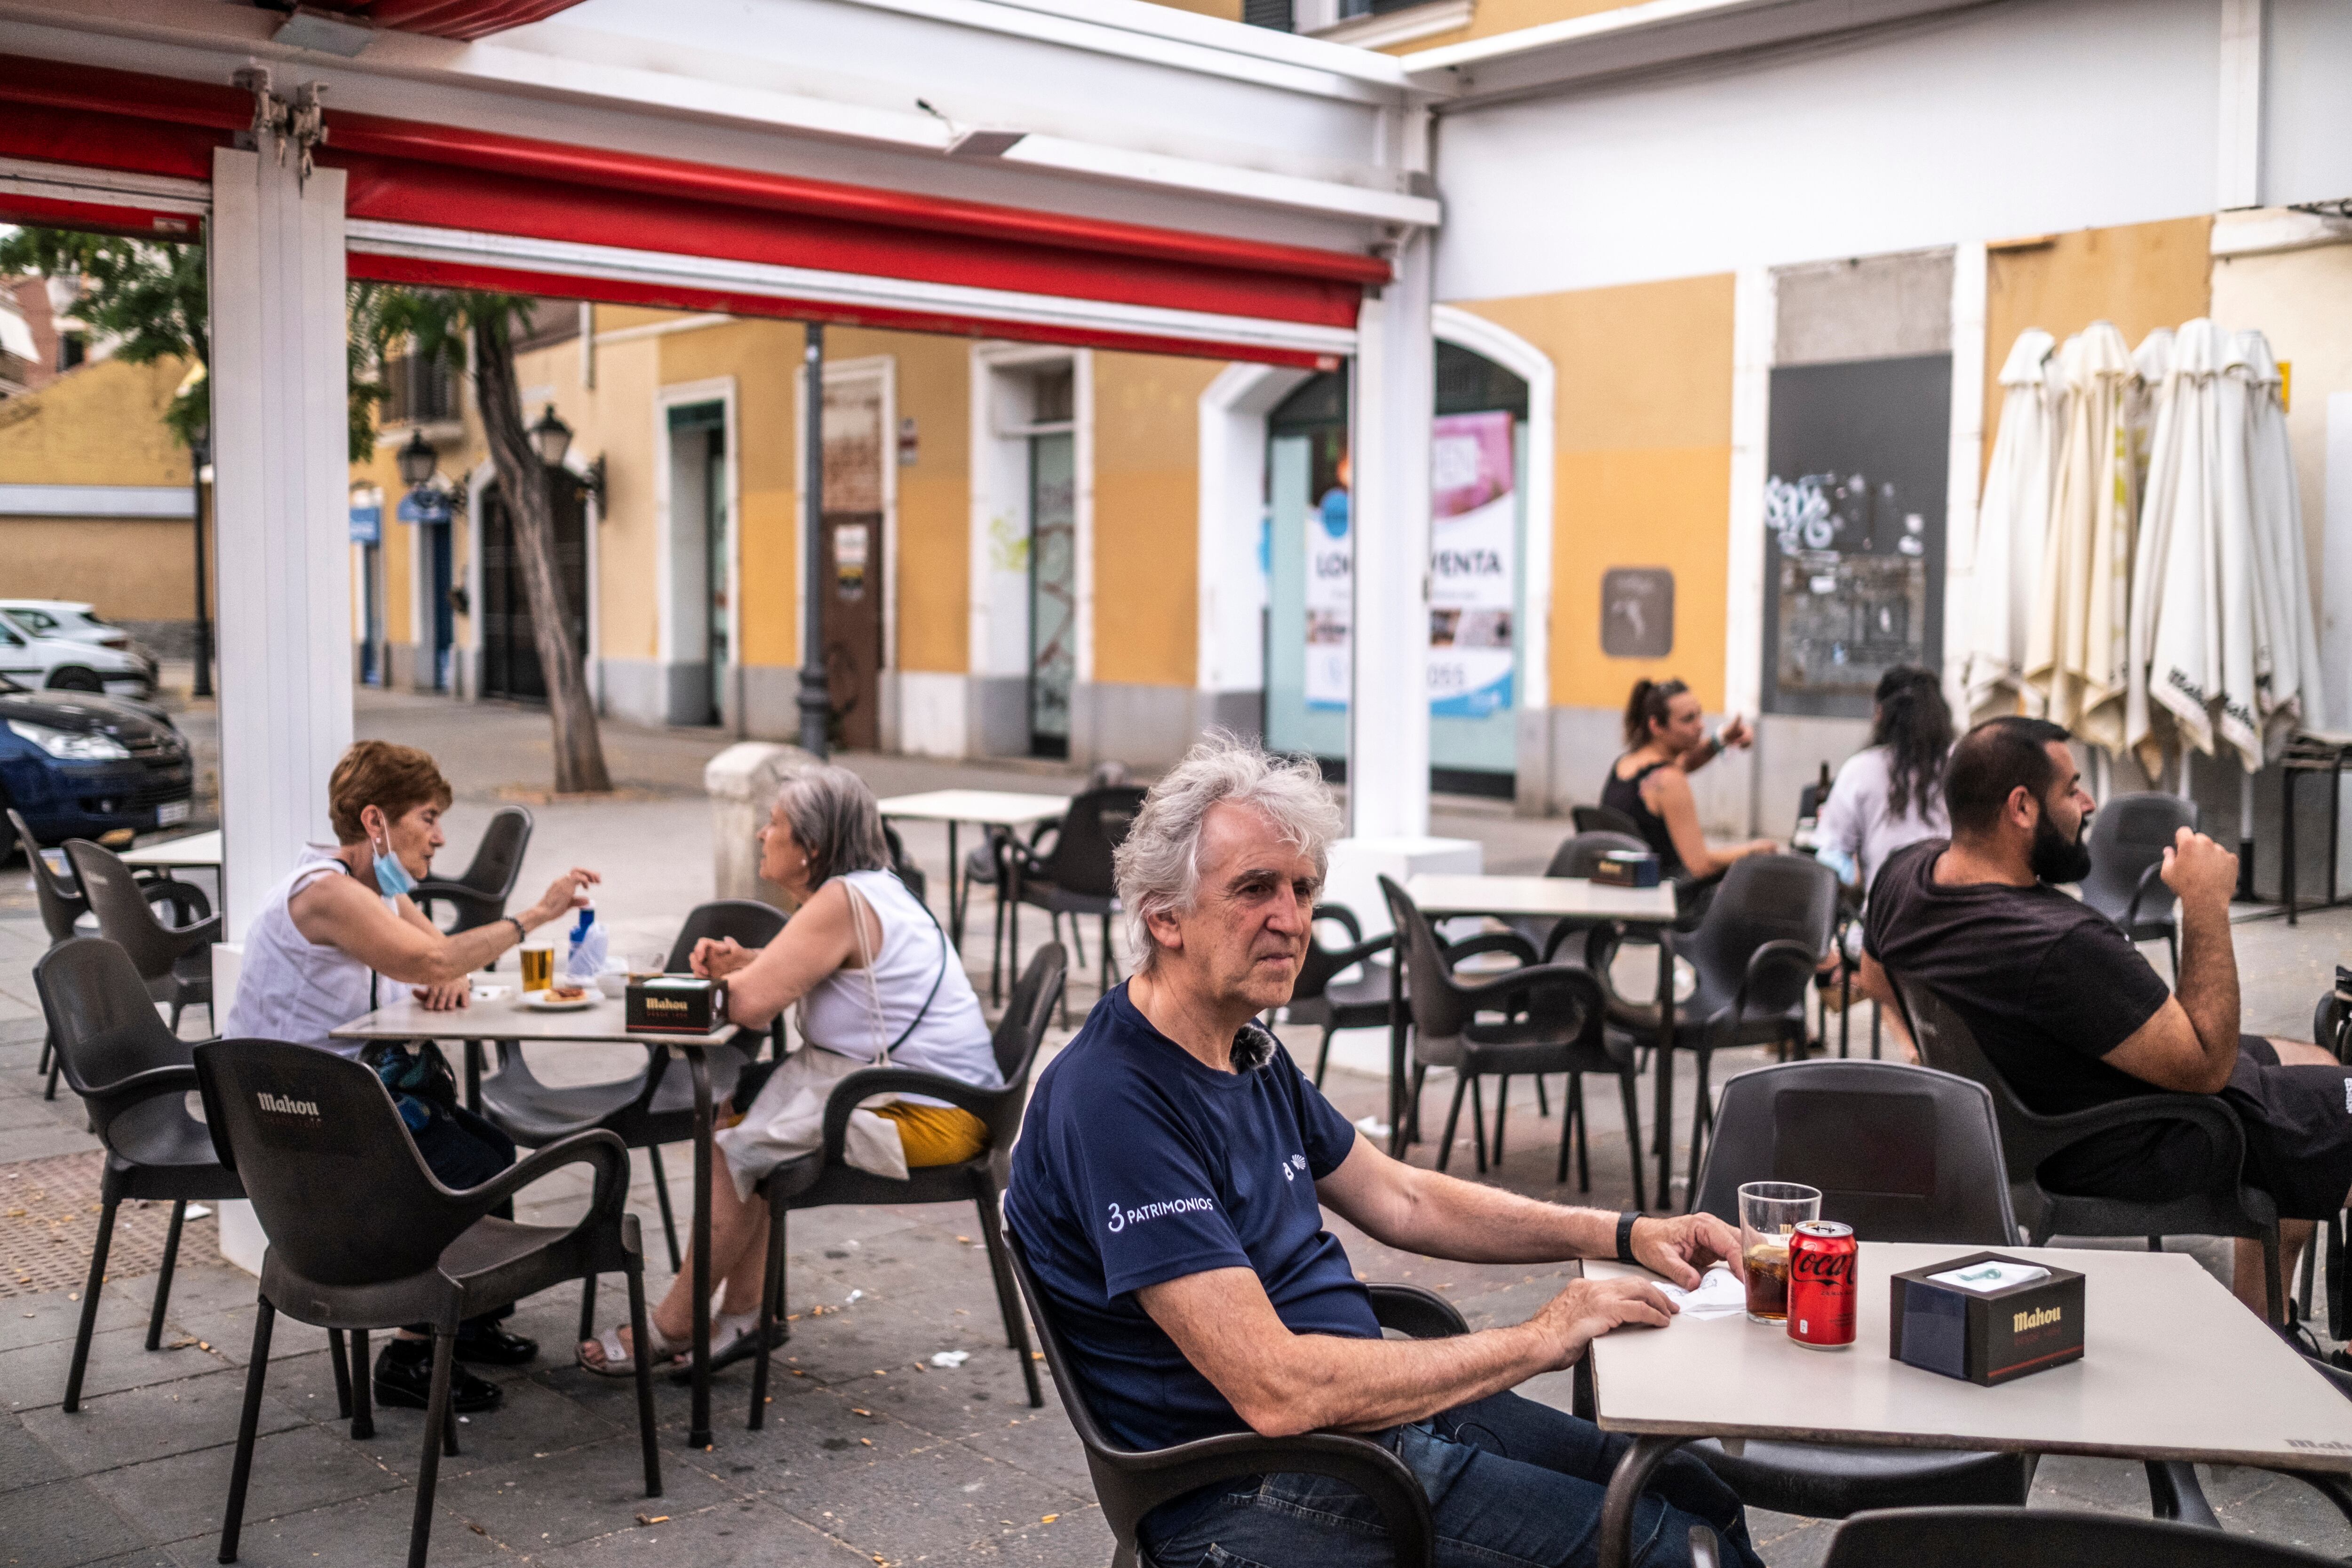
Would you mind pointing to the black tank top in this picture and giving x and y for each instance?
(1625, 794)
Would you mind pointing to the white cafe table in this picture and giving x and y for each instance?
(505, 1017)
(1441, 894)
(195, 851)
(2173, 1368)
(987, 808)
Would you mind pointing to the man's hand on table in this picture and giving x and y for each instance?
(448, 996)
(1588, 1309)
(1682, 1247)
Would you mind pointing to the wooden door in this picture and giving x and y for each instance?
(510, 667)
(851, 587)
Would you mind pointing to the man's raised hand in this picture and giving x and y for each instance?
(1681, 1247)
(1588, 1309)
(2199, 870)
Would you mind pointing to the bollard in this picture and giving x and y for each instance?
(742, 782)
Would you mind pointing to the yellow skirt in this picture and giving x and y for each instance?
(936, 1134)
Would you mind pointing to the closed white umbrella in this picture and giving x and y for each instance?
(2076, 645)
(2287, 675)
(2175, 632)
(2010, 529)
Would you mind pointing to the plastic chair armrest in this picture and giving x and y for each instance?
(1783, 953)
(1509, 942)
(596, 1147)
(190, 938)
(2131, 910)
(1348, 957)
(1357, 1462)
(109, 1101)
(868, 1082)
(1345, 916)
(1529, 977)
(1410, 1309)
(2052, 1134)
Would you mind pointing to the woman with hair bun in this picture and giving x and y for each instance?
(1666, 742)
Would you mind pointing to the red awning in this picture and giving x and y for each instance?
(608, 211)
(450, 19)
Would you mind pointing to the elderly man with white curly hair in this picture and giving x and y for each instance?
(1168, 1189)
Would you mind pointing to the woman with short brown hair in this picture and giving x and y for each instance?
(327, 935)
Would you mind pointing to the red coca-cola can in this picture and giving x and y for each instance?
(1822, 1284)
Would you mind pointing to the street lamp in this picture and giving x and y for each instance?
(552, 437)
(418, 461)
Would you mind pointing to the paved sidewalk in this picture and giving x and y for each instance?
(870, 1455)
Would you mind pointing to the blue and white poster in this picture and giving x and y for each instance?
(1472, 576)
(1330, 599)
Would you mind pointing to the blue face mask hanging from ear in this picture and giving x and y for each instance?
(392, 878)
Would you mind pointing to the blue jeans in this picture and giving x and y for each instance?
(1511, 1484)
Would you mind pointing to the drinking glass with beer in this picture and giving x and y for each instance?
(538, 961)
(1769, 1211)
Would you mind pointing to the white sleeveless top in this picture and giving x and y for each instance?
(289, 987)
(950, 1038)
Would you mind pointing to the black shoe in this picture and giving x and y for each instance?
(404, 1377)
(479, 1341)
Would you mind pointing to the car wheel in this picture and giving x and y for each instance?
(74, 678)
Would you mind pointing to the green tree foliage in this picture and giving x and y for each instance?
(148, 299)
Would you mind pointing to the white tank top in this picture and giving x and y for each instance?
(289, 987)
(950, 1038)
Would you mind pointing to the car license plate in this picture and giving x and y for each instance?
(171, 812)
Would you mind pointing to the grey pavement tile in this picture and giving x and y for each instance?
(150, 1423)
(1786, 1542)
(1047, 1449)
(530, 1504)
(2075, 1481)
(24, 1461)
(34, 1375)
(947, 1502)
(293, 1471)
(45, 1143)
(531, 1420)
(363, 1532)
(63, 1523)
(37, 1320)
(750, 1534)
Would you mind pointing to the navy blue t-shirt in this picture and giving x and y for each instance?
(1137, 1164)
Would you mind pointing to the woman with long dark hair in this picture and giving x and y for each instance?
(1666, 742)
(1892, 792)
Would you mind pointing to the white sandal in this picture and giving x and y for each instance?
(617, 1362)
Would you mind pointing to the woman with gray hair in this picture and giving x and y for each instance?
(877, 981)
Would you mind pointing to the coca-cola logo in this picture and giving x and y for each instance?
(1827, 1268)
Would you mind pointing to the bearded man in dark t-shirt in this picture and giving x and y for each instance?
(2073, 1016)
(1169, 1189)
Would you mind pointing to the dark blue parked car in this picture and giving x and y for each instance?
(78, 765)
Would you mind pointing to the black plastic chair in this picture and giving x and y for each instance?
(823, 1178)
(652, 1108)
(479, 894)
(58, 897)
(902, 865)
(1604, 819)
(1553, 1021)
(1074, 876)
(1768, 928)
(1901, 1153)
(176, 961)
(2129, 838)
(1130, 1482)
(133, 1076)
(1320, 1000)
(361, 1237)
(2045, 1538)
(2028, 1139)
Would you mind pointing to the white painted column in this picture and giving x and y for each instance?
(2238, 163)
(1389, 410)
(1755, 334)
(279, 424)
(1961, 489)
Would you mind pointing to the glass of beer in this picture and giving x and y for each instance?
(1769, 1211)
(538, 961)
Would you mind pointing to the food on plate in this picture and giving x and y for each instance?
(566, 993)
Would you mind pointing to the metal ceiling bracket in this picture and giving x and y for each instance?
(301, 121)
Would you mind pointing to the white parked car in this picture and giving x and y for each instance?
(63, 664)
(65, 618)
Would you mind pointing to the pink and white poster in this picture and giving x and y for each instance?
(1473, 580)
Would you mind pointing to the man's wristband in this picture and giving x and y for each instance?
(1625, 1236)
(520, 932)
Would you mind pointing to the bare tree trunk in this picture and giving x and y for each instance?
(523, 484)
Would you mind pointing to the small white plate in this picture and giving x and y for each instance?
(541, 1002)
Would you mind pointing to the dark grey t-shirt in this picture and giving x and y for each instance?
(2049, 986)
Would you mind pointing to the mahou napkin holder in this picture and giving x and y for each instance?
(676, 1004)
(1985, 1337)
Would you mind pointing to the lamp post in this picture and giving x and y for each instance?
(418, 461)
(199, 454)
(552, 437)
(816, 694)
